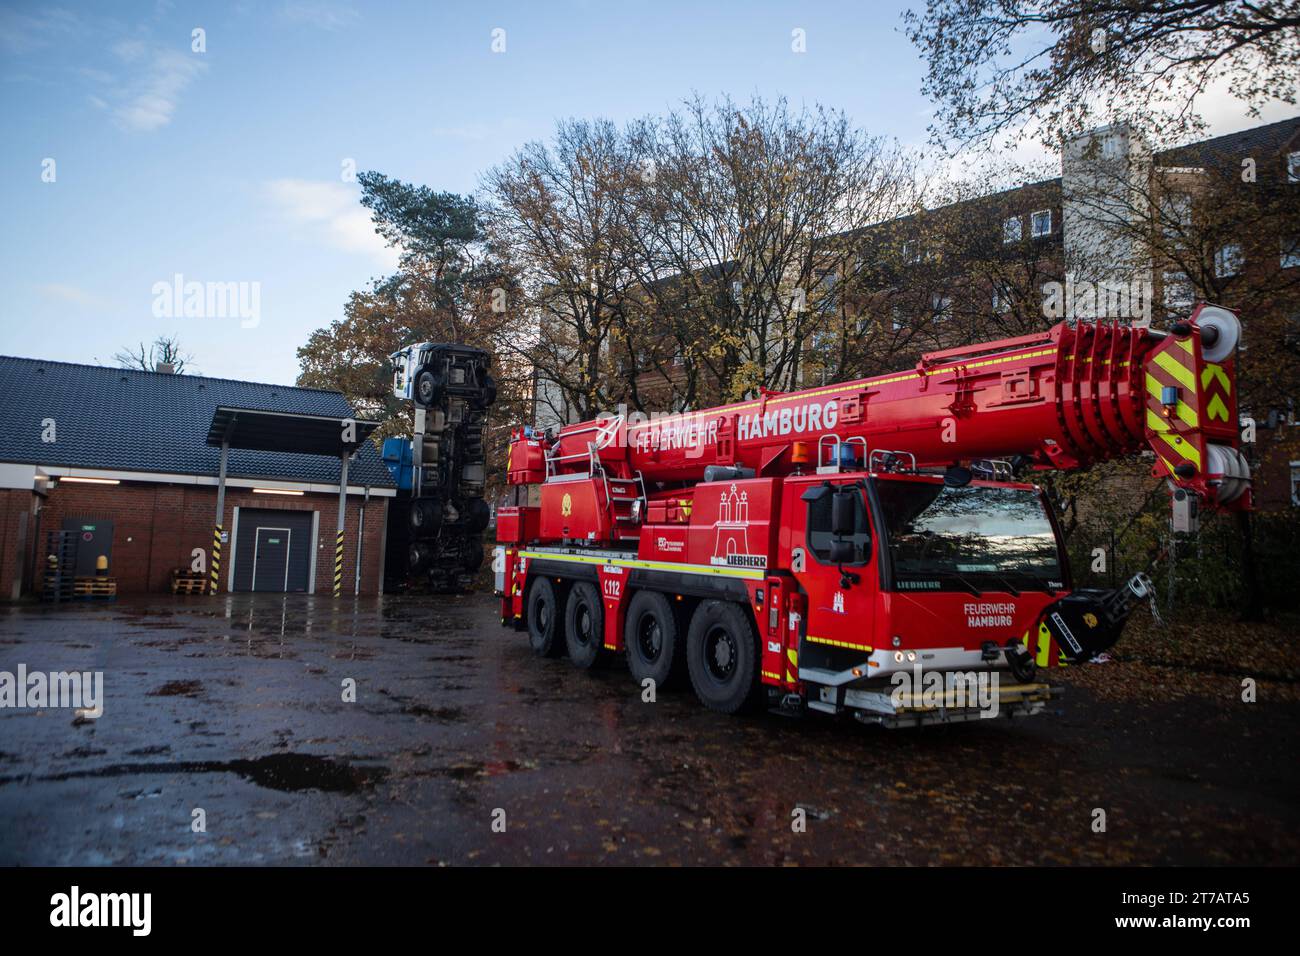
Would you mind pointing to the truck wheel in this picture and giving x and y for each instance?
(477, 514)
(429, 388)
(652, 638)
(426, 515)
(417, 557)
(722, 657)
(584, 624)
(545, 618)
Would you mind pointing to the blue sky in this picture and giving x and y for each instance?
(226, 165)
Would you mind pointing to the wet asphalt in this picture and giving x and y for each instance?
(463, 748)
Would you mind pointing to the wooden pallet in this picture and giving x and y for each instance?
(189, 582)
(95, 588)
(58, 586)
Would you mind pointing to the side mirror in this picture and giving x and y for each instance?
(844, 512)
(842, 552)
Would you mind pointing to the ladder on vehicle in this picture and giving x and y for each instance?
(624, 497)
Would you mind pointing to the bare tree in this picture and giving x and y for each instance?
(164, 351)
(1009, 66)
(737, 223)
(559, 213)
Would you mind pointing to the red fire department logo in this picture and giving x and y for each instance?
(731, 532)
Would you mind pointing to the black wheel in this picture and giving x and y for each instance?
(426, 515)
(489, 394)
(545, 613)
(722, 657)
(429, 388)
(477, 514)
(584, 624)
(652, 638)
(472, 556)
(418, 557)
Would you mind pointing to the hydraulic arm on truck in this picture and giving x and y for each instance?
(809, 546)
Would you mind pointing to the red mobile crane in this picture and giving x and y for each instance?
(808, 546)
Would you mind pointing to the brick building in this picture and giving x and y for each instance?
(122, 459)
(1148, 231)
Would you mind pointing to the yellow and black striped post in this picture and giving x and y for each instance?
(215, 565)
(338, 563)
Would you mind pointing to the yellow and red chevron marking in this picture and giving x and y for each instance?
(1218, 401)
(1174, 431)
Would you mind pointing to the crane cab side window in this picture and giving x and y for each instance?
(853, 544)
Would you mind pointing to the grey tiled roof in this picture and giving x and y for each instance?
(120, 419)
(1261, 142)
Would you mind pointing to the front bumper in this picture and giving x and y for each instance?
(969, 688)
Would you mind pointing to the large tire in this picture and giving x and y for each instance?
(472, 556)
(477, 514)
(652, 639)
(722, 657)
(545, 614)
(426, 516)
(430, 389)
(584, 625)
(418, 558)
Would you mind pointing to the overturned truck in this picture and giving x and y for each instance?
(436, 526)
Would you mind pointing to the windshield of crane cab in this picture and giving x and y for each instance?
(988, 539)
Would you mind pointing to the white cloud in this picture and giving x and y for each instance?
(1224, 112)
(325, 14)
(68, 293)
(148, 98)
(331, 212)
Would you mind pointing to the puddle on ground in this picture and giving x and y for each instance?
(178, 688)
(288, 772)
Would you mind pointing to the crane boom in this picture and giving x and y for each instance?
(1063, 399)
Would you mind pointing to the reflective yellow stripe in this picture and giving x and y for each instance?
(1217, 409)
(826, 640)
(1044, 645)
(1185, 411)
(1177, 369)
(755, 574)
(1185, 449)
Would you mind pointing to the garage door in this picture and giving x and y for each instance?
(273, 550)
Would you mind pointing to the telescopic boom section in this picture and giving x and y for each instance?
(1062, 399)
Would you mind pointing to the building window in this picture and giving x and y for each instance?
(1295, 482)
(941, 306)
(827, 296)
(1012, 230)
(1001, 298)
(1179, 293)
(896, 318)
(1290, 248)
(1040, 224)
(1175, 213)
(1227, 261)
(1293, 167)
